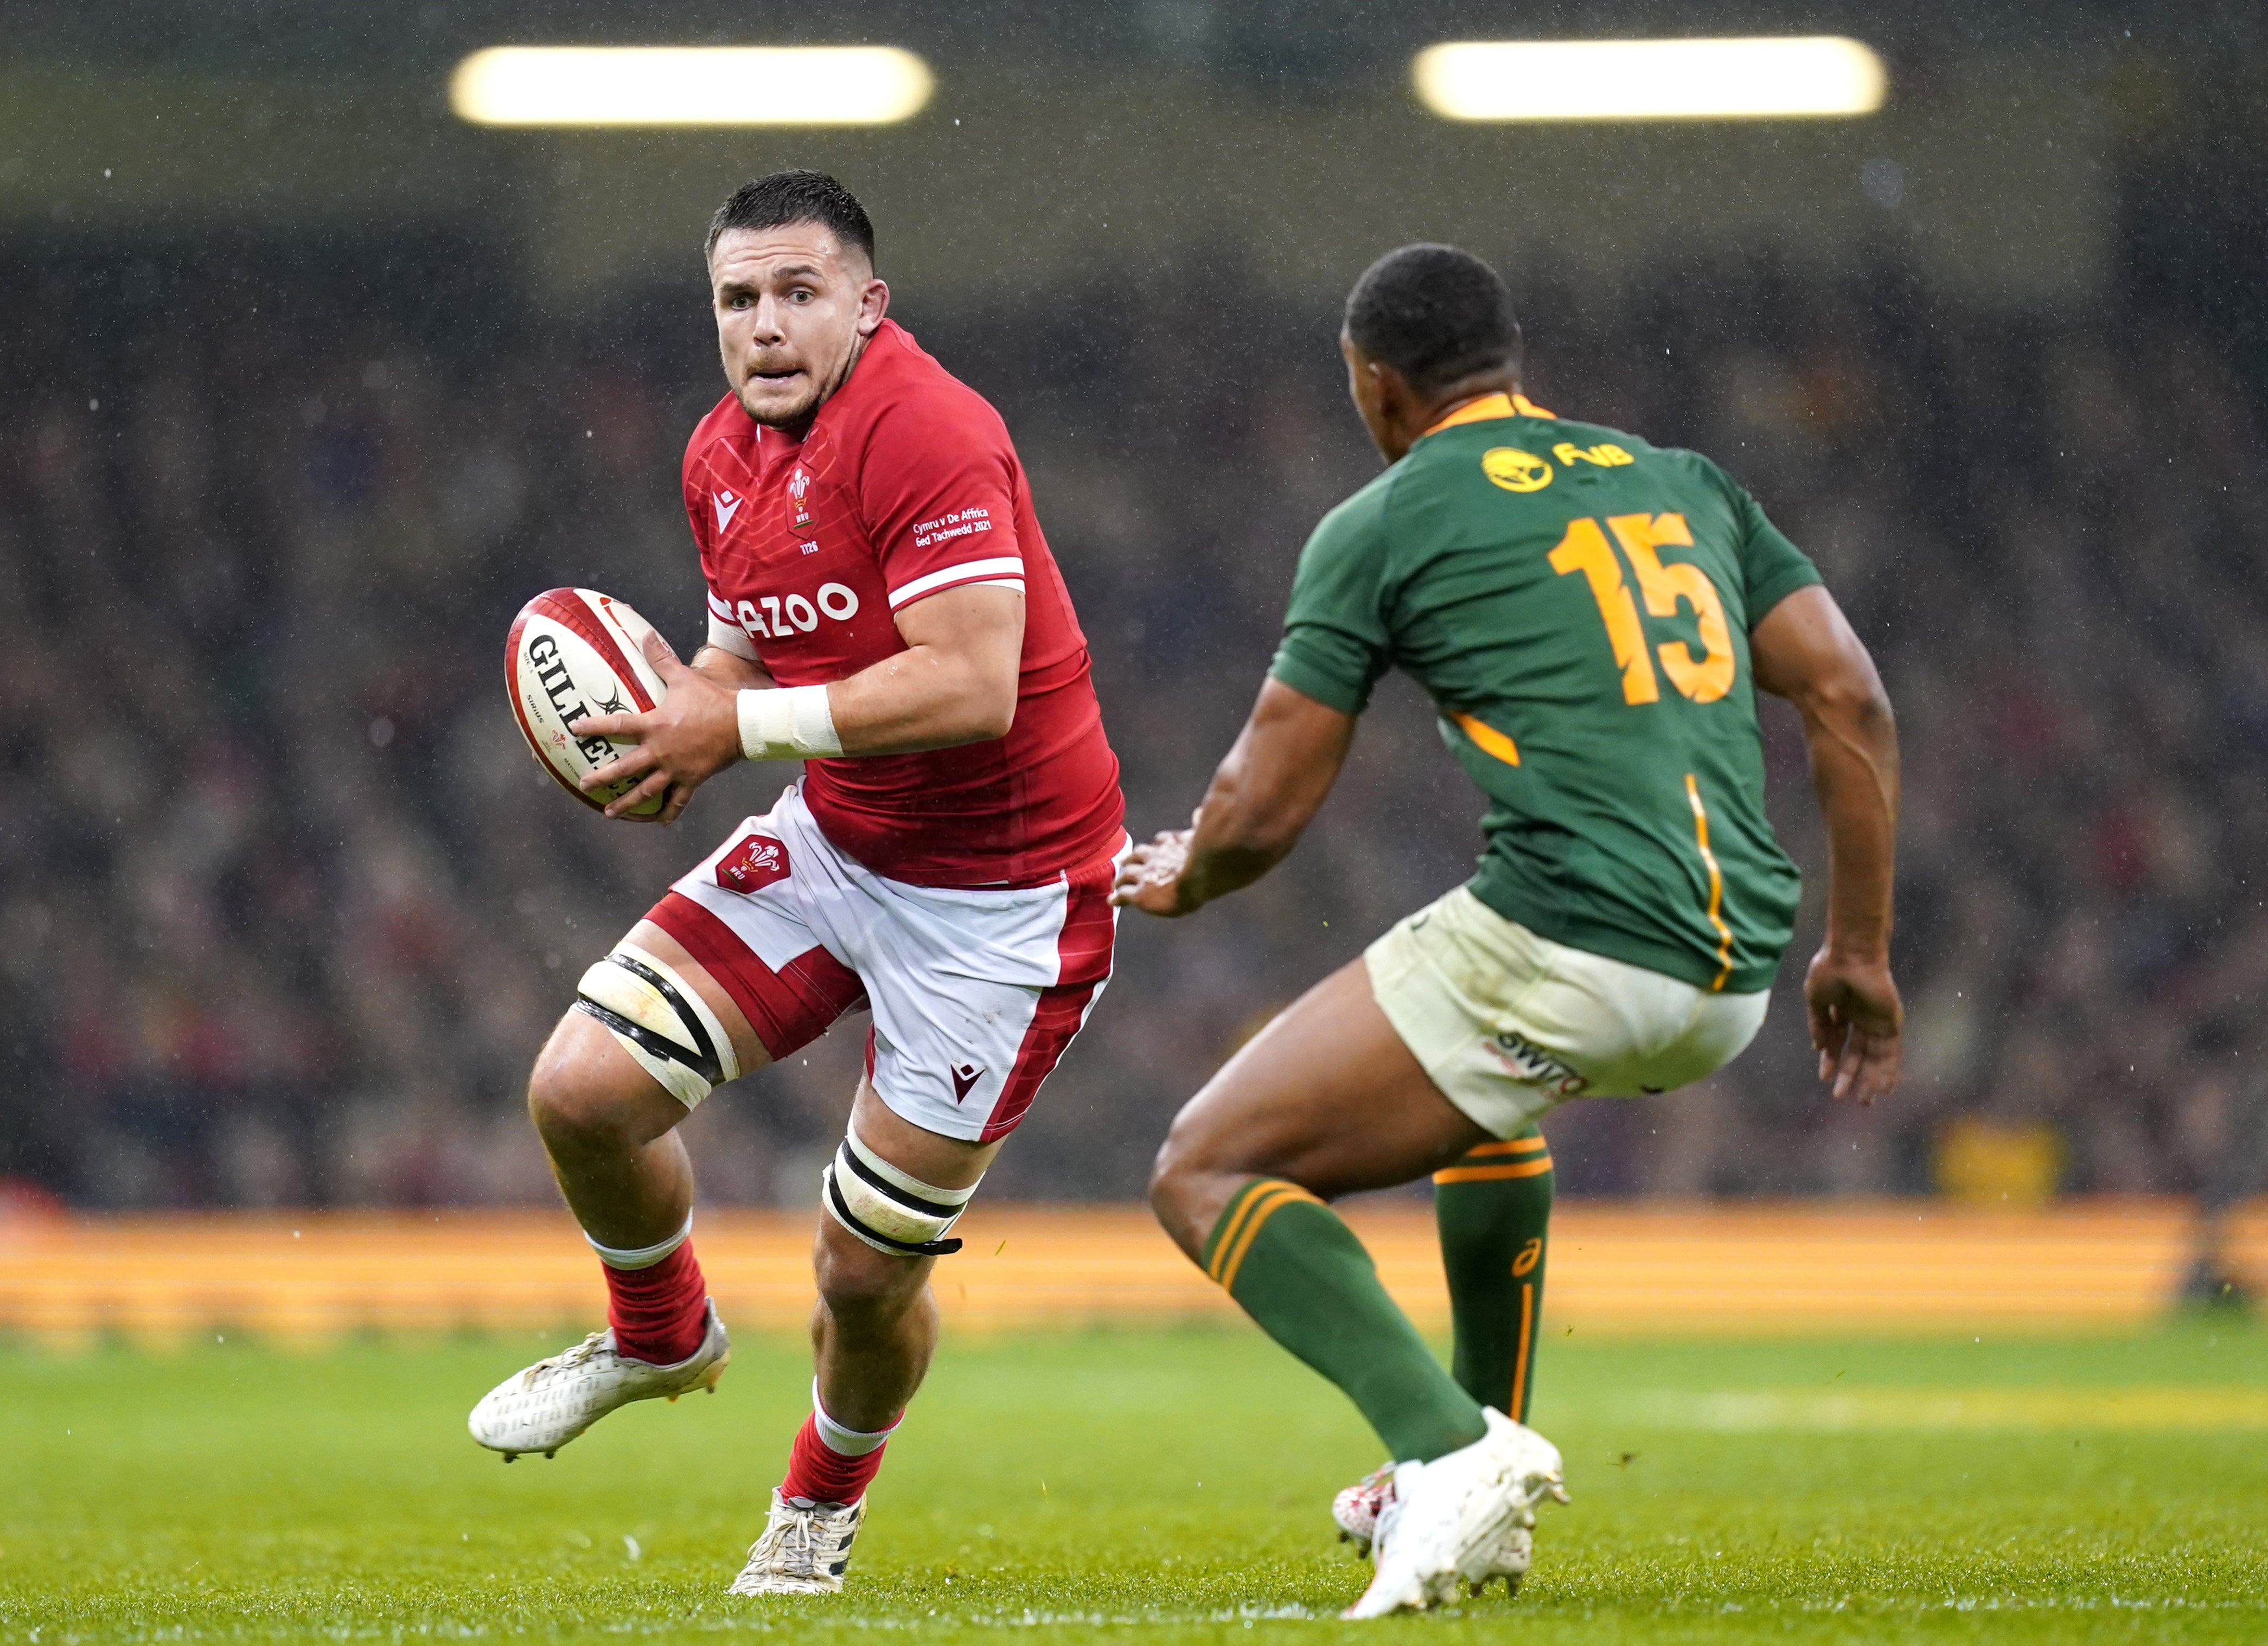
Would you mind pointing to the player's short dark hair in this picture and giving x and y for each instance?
(1435, 315)
(799, 195)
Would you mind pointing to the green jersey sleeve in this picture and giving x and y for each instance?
(1335, 639)
(1772, 567)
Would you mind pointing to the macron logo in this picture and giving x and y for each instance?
(727, 505)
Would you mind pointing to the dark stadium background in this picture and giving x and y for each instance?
(305, 387)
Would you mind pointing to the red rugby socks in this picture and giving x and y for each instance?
(658, 1303)
(829, 1463)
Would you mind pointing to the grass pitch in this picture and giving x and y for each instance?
(1160, 1486)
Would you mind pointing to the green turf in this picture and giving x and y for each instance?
(1164, 1486)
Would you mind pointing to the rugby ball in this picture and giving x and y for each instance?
(571, 653)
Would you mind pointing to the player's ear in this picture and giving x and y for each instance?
(1389, 389)
(873, 303)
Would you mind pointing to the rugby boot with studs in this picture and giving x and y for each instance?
(1356, 1510)
(554, 1400)
(1447, 1519)
(803, 1550)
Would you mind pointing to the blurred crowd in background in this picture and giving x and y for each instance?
(286, 909)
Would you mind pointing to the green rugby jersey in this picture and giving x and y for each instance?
(1578, 604)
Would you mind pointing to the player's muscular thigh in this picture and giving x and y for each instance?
(664, 948)
(1326, 1096)
(950, 1162)
(587, 1086)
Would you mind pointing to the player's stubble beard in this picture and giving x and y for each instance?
(798, 422)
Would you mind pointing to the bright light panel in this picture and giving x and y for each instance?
(689, 85)
(1649, 79)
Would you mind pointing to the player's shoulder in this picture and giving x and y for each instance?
(1360, 517)
(727, 424)
(1569, 441)
(1572, 443)
(900, 390)
(1609, 443)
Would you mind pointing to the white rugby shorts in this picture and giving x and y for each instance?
(1508, 1024)
(976, 993)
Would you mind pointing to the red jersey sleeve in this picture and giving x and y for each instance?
(697, 484)
(938, 487)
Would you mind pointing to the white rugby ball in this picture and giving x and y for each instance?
(572, 653)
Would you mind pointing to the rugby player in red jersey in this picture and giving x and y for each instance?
(882, 606)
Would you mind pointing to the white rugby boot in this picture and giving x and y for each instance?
(803, 1550)
(1356, 1509)
(554, 1400)
(1448, 1519)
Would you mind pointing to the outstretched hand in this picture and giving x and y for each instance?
(684, 740)
(1857, 1025)
(1150, 878)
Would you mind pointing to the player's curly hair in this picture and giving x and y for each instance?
(797, 196)
(1434, 313)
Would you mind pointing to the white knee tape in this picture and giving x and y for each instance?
(889, 1209)
(661, 1021)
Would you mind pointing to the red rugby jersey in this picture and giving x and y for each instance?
(905, 486)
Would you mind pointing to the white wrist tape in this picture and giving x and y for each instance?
(792, 723)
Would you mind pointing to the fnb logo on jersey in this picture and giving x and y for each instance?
(783, 618)
(753, 865)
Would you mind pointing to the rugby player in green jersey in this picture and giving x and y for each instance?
(1592, 616)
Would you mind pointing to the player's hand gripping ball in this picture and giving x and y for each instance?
(574, 653)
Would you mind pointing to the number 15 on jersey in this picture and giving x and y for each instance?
(1664, 587)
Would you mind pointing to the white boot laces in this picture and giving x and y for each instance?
(589, 1348)
(787, 1545)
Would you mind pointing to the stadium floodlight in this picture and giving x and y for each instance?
(689, 85)
(1650, 79)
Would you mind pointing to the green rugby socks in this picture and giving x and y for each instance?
(1494, 1209)
(1301, 1273)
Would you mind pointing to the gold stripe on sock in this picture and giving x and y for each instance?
(1520, 1360)
(1509, 1146)
(1264, 1207)
(1489, 1173)
(1484, 1174)
(1232, 1222)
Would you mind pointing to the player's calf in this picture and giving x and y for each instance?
(875, 1332)
(607, 1125)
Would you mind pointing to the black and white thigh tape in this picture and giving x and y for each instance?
(661, 1021)
(889, 1209)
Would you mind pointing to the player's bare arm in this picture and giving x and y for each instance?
(1265, 793)
(955, 683)
(1804, 651)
